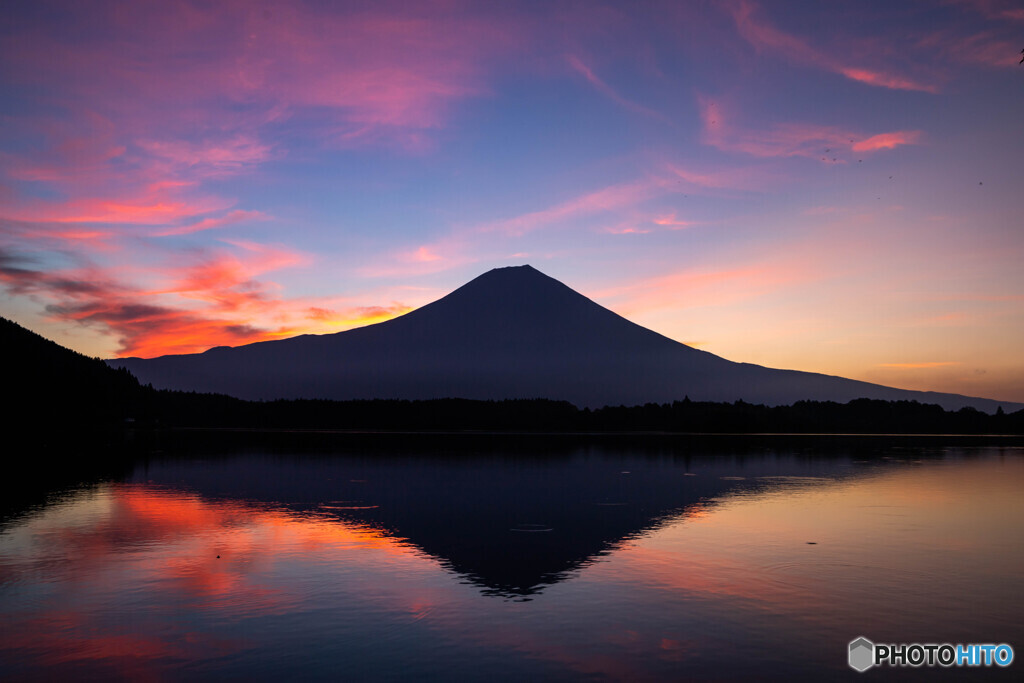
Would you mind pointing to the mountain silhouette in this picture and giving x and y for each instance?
(510, 333)
(45, 383)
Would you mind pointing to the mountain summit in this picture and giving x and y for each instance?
(510, 333)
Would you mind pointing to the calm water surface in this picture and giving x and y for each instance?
(592, 562)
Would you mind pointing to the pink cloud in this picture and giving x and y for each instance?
(826, 143)
(606, 199)
(374, 74)
(68, 150)
(609, 92)
(424, 254)
(993, 48)
(763, 36)
(670, 221)
(476, 243)
(994, 9)
(147, 102)
(626, 230)
(462, 245)
(884, 80)
(888, 140)
(216, 157)
(231, 218)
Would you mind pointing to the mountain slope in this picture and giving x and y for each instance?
(509, 333)
(45, 383)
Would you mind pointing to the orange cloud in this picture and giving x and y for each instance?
(209, 299)
(888, 140)
(358, 315)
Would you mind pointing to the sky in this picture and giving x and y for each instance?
(832, 187)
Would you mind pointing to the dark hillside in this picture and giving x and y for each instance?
(49, 386)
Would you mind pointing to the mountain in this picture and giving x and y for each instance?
(47, 384)
(510, 333)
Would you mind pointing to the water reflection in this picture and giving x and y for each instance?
(507, 523)
(596, 563)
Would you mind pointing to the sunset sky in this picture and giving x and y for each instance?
(833, 187)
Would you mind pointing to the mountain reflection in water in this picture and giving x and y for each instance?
(587, 562)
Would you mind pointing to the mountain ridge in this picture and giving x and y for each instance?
(511, 332)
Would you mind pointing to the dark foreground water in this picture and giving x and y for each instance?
(521, 561)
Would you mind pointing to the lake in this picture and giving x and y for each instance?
(507, 559)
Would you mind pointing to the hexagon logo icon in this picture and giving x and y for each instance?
(862, 654)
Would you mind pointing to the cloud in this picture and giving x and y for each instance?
(609, 92)
(670, 221)
(357, 315)
(129, 113)
(626, 230)
(231, 218)
(992, 48)
(210, 158)
(469, 244)
(367, 74)
(764, 36)
(888, 140)
(606, 199)
(999, 10)
(206, 298)
(826, 143)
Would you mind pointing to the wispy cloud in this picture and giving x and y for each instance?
(622, 201)
(760, 33)
(206, 298)
(993, 48)
(993, 9)
(231, 218)
(371, 71)
(888, 140)
(609, 198)
(826, 143)
(609, 92)
(210, 157)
